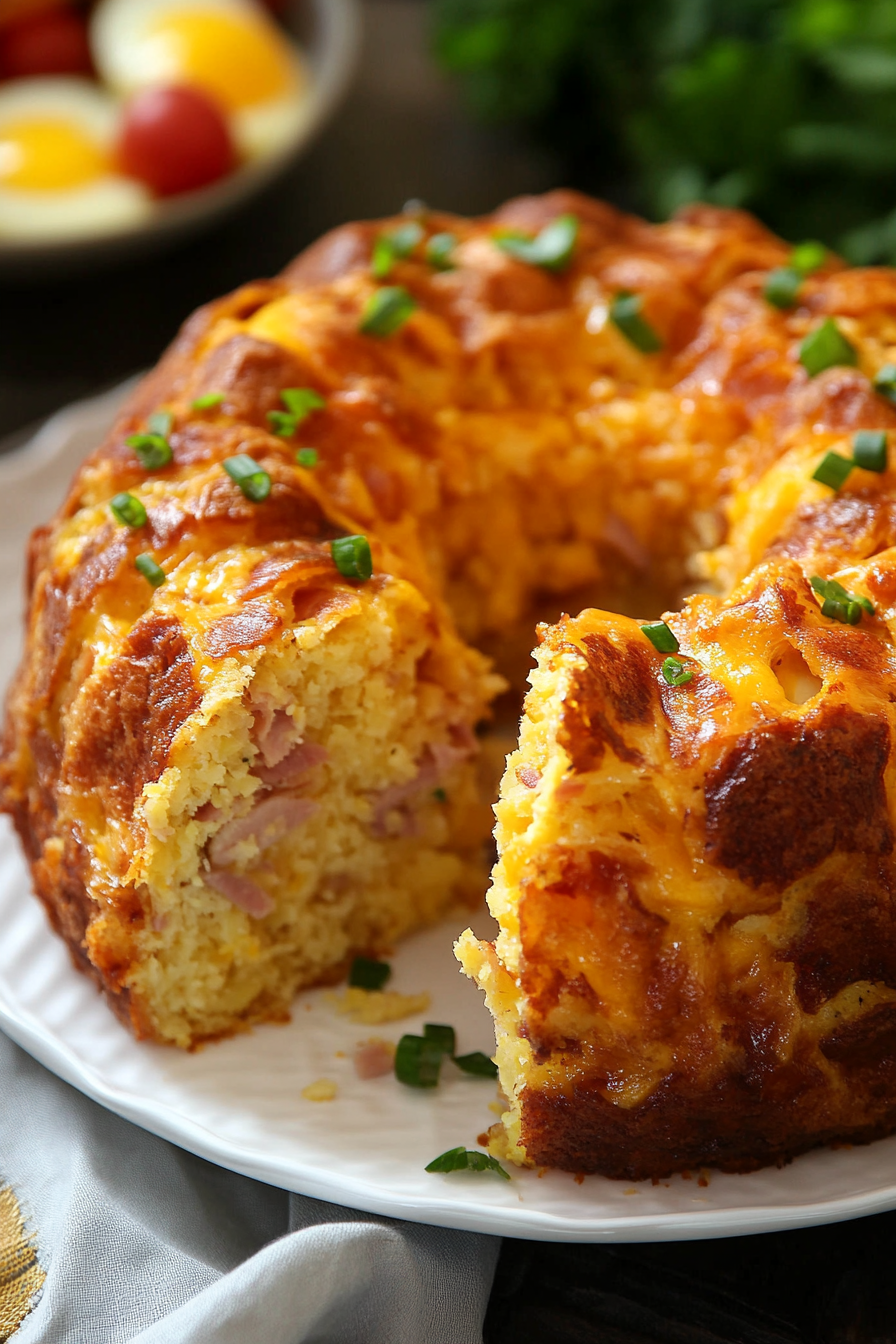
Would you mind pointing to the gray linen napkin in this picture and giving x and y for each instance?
(143, 1243)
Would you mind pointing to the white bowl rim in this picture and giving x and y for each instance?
(331, 60)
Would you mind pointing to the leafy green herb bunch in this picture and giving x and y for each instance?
(784, 107)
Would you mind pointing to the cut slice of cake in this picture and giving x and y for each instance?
(697, 955)
(238, 766)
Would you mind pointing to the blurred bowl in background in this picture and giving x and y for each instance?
(327, 31)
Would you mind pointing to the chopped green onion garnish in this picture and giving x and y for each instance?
(405, 238)
(440, 795)
(299, 403)
(625, 313)
(826, 347)
(252, 479)
(418, 1061)
(839, 605)
(462, 1159)
(828, 588)
(128, 510)
(282, 424)
(390, 247)
(661, 637)
(782, 287)
(808, 257)
(383, 258)
(442, 1036)
(153, 451)
(160, 422)
(152, 572)
(849, 613)
(478, 1064)
(885, 382)
(552, 248)
(833, 470)
(307, 457)
(439, 250)
(368, 974)
(351, 556)
(869, 449)
(675, 673)
(386, 310)
(208, 400)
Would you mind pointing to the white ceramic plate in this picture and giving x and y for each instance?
(240, 1104)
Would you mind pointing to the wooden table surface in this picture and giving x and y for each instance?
(400, 134)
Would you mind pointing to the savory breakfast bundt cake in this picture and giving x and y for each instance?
(240, 748)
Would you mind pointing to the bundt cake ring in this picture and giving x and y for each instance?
(241, 745)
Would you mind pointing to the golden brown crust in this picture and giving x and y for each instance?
(783, 798)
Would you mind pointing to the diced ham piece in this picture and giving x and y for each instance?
(282, 761)
(438, 759)
(373, 1059)
(274, 733)
(245, 893)
(207, 812)
(266, 823)
(291, 768)
(396, 796)
(446, 756)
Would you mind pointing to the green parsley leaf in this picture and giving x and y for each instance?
(832, 470)
(439, 251)
(826, 347)
(418, 1061)
(625, 314)
(208, 400)
(368, 974)
(869, 449)
(478, 1064)
(552, 248)
(462, 1159)
(782, 287)
(153, 573)
(307, 458)
(252, 479)
(661, 637)
(351, 556)
(152, 451)
(675, 673)
(127, 509)
(386, 311)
